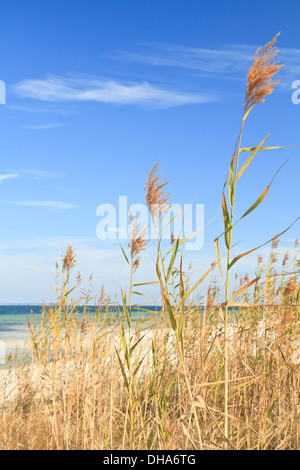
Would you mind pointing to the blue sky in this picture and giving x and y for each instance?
(96, 91)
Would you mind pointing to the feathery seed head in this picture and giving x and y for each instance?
(156, 197)
(209, 299)
(138, 242)
(275, 243)
(285, 259)
(261, 73)
(84, 326)
(68, 258)
(290, 287)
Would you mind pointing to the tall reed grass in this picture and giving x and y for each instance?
(223, 374)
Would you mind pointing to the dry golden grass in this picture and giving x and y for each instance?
(223, 374)
(73, 394)
(261, 74)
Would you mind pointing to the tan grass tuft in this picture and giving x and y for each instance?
(78, 278)
(138, 242)
(84, 326)
(275, 243)
(290, 288)
(285, 259)
(209, 299)
(68, 258)
(261, 73)
(156, 198)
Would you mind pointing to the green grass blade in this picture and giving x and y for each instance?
(173, 258)
(262, 196)
(200, 280)
(226, 220)
(249, 160)
(260, 246)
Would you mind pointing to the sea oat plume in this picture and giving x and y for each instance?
(138, 242)
(103, 298)
(102, 295)
(78, 278)
(136, 264)
(209, 299)
(156, 197)
(84, 326)
(290, 287)
(285, 259)
(261, 73)
(275, 243)
(68, 258)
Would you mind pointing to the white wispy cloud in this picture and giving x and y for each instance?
(48, 242)
(30, 172)
(54, 205)
(36, 109)
(55, 89)
(8, 176)
(38, 174)
(227, 61)
(47, 125)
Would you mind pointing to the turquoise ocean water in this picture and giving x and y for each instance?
(14, 330)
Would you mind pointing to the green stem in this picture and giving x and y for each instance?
(226, 391)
